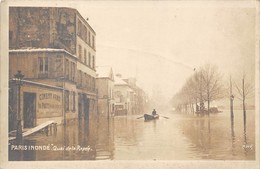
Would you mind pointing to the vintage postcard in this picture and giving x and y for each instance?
(129, 84)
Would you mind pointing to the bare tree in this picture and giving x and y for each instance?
(204, 85)
(231, 97)
(244, 91)
(199, 88)
(212, 83)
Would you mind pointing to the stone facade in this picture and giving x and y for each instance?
(123, 95)
(105, 86)
(56, 28)
(55, 47)
(129, 98)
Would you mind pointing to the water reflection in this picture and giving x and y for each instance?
(69, 142)
(105, 139)
(246, 146)
(232, 135)
(127, 138)
(200, 134)
(214, 144)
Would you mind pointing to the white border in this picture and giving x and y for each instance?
(254, 164)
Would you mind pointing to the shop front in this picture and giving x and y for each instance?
(38, 103)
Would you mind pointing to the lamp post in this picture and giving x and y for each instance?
(18, 79)
(231, 105)
(231, 99)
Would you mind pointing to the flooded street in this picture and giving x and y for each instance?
(178, 137)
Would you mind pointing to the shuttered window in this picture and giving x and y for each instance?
(44, 65)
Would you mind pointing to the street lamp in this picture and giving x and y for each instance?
(18, 79)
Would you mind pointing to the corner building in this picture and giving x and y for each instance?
(55, 50)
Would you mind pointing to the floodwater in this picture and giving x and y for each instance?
(178, 137)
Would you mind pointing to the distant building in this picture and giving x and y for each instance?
(129, 98)
(138, 100)
(124, 97)
(55, 50)
(105, 87)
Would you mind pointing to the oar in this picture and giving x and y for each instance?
(140, 117)
(164, 117)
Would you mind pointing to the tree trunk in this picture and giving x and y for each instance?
(244, 98)
(208, 105)
(231, 108)
(231, 100)
(244, 110)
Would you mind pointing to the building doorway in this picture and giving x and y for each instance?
(79, 106)
(29, 110)
(86, 107)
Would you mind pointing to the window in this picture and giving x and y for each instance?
(89, 59)
(89, 81)
(73, 69)
(92, 83)
(85, 34)
(67, 68)
(85, 56)
(43, 64)
(67, 98)
(74, 101)
(85, 79)
(70, 70)
(93, 41)
(88, 37)
(46, 65)
(93, 62)
(80, 53)
(80, 78)
(78, 27)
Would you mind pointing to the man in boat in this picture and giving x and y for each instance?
(154, 112)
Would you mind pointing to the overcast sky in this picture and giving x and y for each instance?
(161, 42)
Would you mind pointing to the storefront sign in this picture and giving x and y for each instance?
(49, 104)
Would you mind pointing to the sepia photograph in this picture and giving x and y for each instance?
(126, 81)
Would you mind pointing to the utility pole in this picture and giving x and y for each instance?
(244, 97)
(231, 100)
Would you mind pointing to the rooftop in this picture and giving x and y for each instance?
(104, 72)
(119, 81)
(27, 50)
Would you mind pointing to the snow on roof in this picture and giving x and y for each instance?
(103, 71)
(119, 81)
(36, 50)
(40, 50)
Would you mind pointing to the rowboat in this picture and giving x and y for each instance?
(150, 117)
